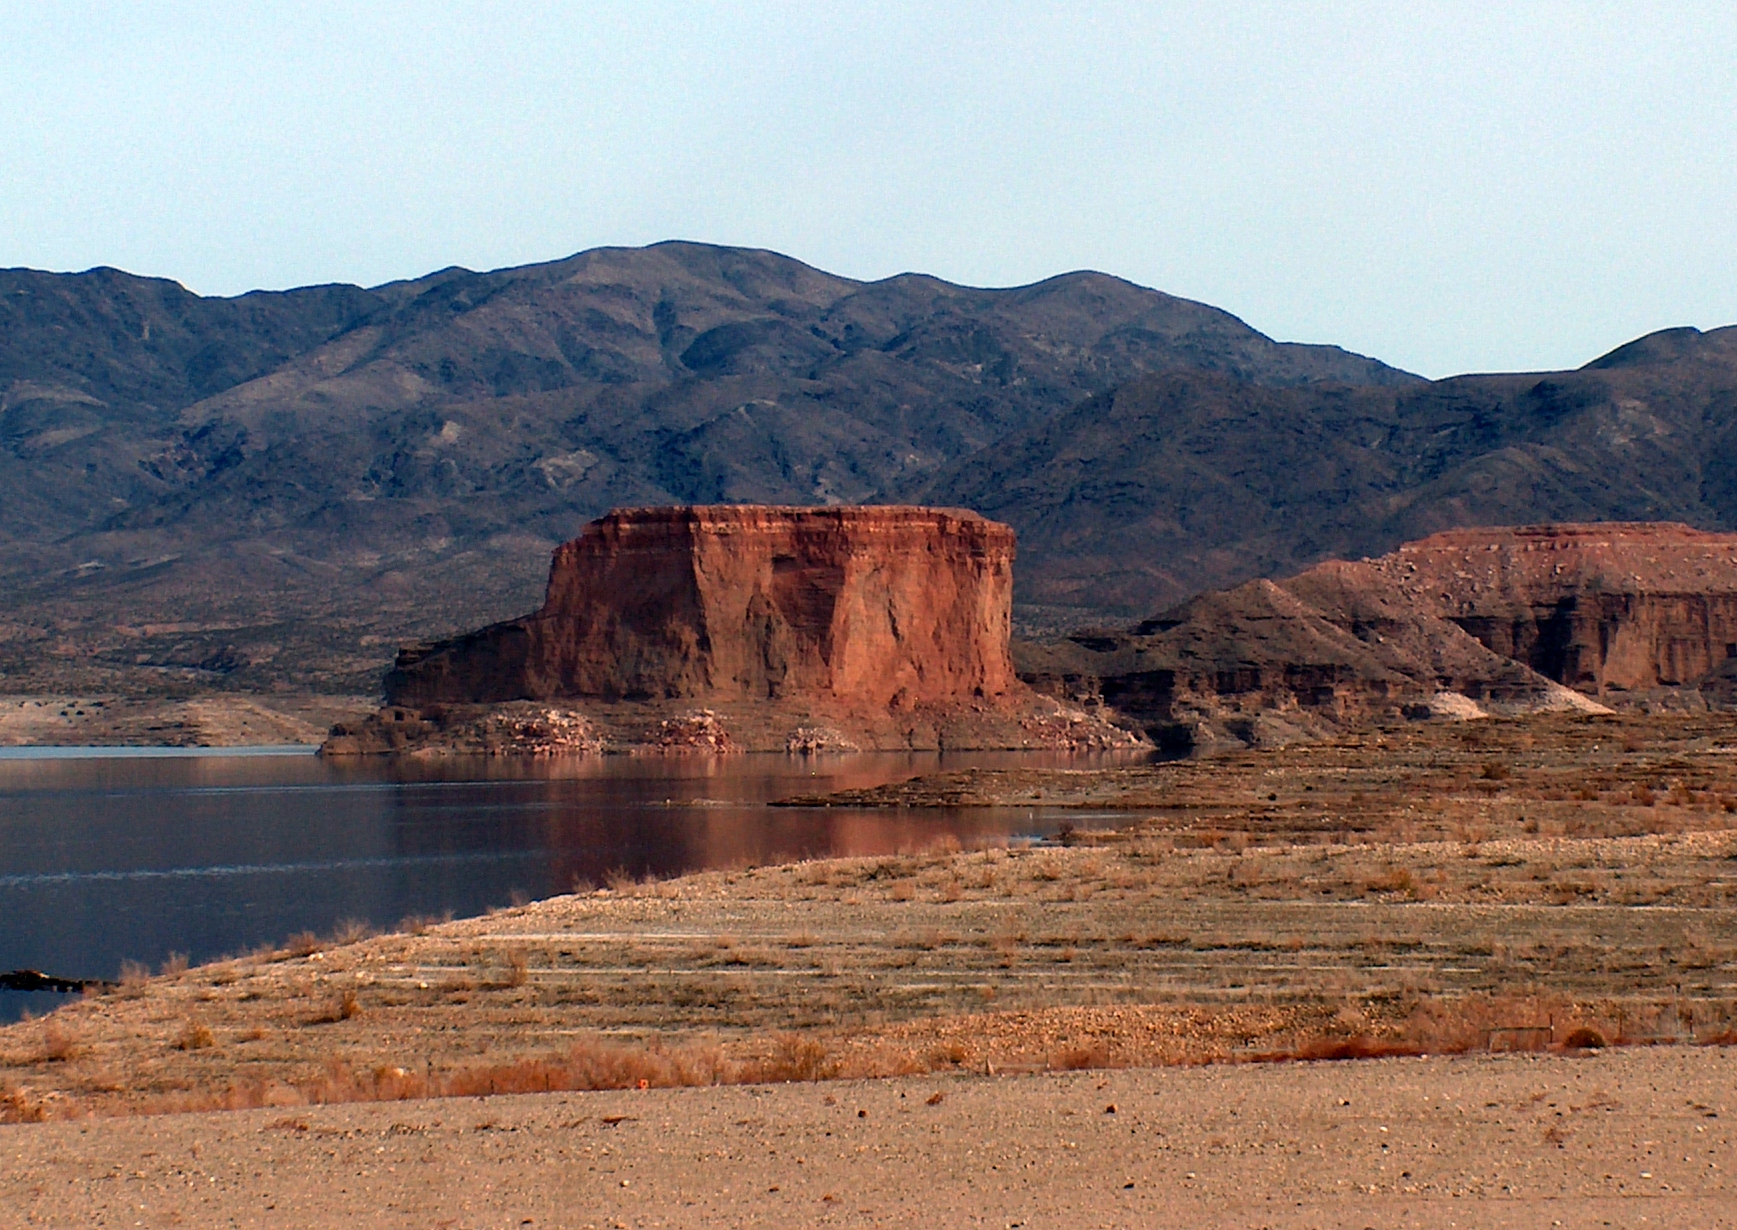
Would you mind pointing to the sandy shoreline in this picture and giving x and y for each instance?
(1638, 1136)
(1435, 890)
(211, 719)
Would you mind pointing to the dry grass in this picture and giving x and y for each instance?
(133, 978)
(419, 924)
(583, 1066)
(1210, 927)
(1117, 1038)
(352, 931)
(301, 944)
(194, 1035)
(59, 1044)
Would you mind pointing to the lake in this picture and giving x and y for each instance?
(108, 857)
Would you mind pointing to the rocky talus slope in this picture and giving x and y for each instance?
(799, 629)
(1460, 624)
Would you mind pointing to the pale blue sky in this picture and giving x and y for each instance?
(1448, 187)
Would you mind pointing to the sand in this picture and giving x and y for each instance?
(1640, 1136)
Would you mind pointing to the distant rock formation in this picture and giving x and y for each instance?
(877, 607)
(1269, 663)
(1460, 624)
(800, 629)
(1607, 609)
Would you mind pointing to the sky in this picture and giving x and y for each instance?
(1446, 187)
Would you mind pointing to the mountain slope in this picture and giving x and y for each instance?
(346, 463)
(1178, 483)
(277, 488)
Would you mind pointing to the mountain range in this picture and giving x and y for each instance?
(273, 490)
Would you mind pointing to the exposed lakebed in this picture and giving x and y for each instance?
(106, 859)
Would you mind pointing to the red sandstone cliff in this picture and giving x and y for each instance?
(1605, 608)
(869, 607)
(1479, 620)
(743, 628)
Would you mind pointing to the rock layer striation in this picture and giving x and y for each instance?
(1611, 608)
(872, 607)
(1461, 623)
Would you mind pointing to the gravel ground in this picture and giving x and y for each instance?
(1628, 1138)
(211, 720)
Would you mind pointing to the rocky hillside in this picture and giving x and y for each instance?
(278, 488)
(285, 484)
(1460, 624)
(1178, 483)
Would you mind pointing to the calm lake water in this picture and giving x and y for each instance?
(109, 858)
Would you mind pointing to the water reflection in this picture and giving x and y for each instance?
(109, 860)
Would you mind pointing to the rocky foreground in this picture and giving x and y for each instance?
(1104, 1030)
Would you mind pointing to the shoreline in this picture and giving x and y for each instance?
(121, 751)
(202, 720)
(1557, 887)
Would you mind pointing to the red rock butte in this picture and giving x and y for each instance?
(866, 607)
(1614, 606)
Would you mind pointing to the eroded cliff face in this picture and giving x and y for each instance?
(1606, 609)
(1463, 623)
(1466, 622)
(1268, 663)
(861, 607)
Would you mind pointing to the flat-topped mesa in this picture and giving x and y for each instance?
(859, 607)
(1611, 607)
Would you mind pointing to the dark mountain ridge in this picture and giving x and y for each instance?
(674, 373)
(280, 486)
(1177, 483)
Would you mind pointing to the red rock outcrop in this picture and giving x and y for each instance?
(1506, 619)
(1268, 663)
(1603, 608)
(864, 607)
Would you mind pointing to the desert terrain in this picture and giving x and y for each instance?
(1369, 734)
(209, 719)
(1634, 1137)
(1547, 900)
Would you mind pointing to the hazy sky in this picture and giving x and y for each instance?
(1449, 188)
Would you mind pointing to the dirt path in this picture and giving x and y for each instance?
(1629, 1138)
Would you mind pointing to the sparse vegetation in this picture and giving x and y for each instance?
(194, 1035)
(1162, 940)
